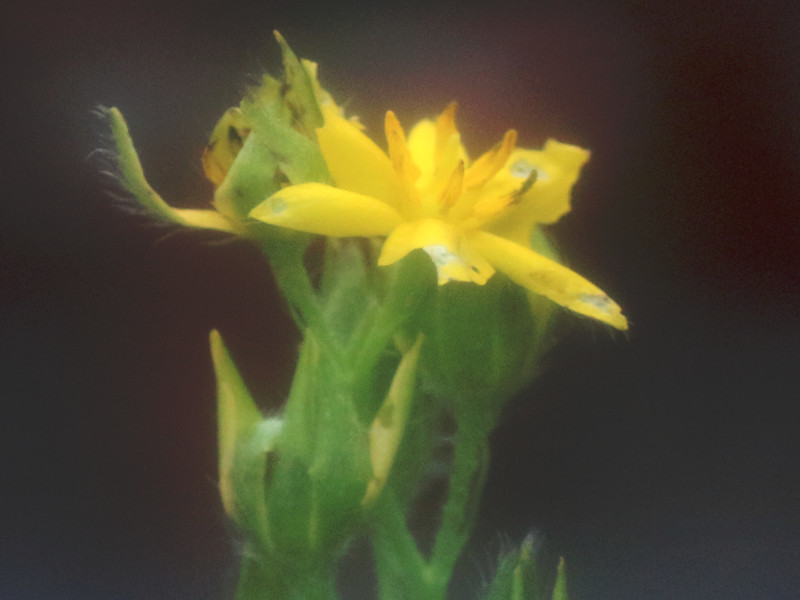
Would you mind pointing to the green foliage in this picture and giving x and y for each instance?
(130, 167)
(278, 148)
(521, 576)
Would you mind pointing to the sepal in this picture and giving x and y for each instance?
(246, 440)
(268, 141)
(388, 427)
(482, 344)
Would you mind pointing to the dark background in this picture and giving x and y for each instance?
(663, 465)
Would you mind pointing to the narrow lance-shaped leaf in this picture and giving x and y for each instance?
(560, 589)
(387, 429)
(245, 438)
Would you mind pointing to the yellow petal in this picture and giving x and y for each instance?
(223, 146)
(488, 187)
(448, 150)
(436, 150)
(421, 145)
(326, 210)
(205, 219)
(454, 260)
(354, 161)
(548, 278)
(445, 130)
(557, 169)
(448, 140)
(489, 207)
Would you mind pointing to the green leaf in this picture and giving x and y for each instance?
(245, 439)
(296, 155)
(560, 588)
(252, 178)
(130, 168)
(525, 575)
(323, 463)
(389, 426)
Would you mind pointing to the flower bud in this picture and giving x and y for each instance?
(297, 485)
(483, 341)
(523, 575)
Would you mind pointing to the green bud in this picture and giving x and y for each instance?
(521, 575)
(293, 485)
(483, 341)
(297, 486)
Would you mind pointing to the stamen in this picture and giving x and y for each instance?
(452, 192)
(483, 169)
(396, 140)
(399, 153)
(445, 129)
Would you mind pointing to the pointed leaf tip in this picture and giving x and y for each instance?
(560, 588)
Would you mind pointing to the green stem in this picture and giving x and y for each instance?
(402, 300)
(399, 563)
(403, 573)
(470, 464)
(286, 259)
(272, 581)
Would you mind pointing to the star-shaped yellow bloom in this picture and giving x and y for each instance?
(472, 217)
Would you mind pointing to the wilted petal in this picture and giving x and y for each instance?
(548, 278)
(326, 210)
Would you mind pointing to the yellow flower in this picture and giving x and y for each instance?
(472, 217)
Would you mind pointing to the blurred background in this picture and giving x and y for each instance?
(663, 465)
